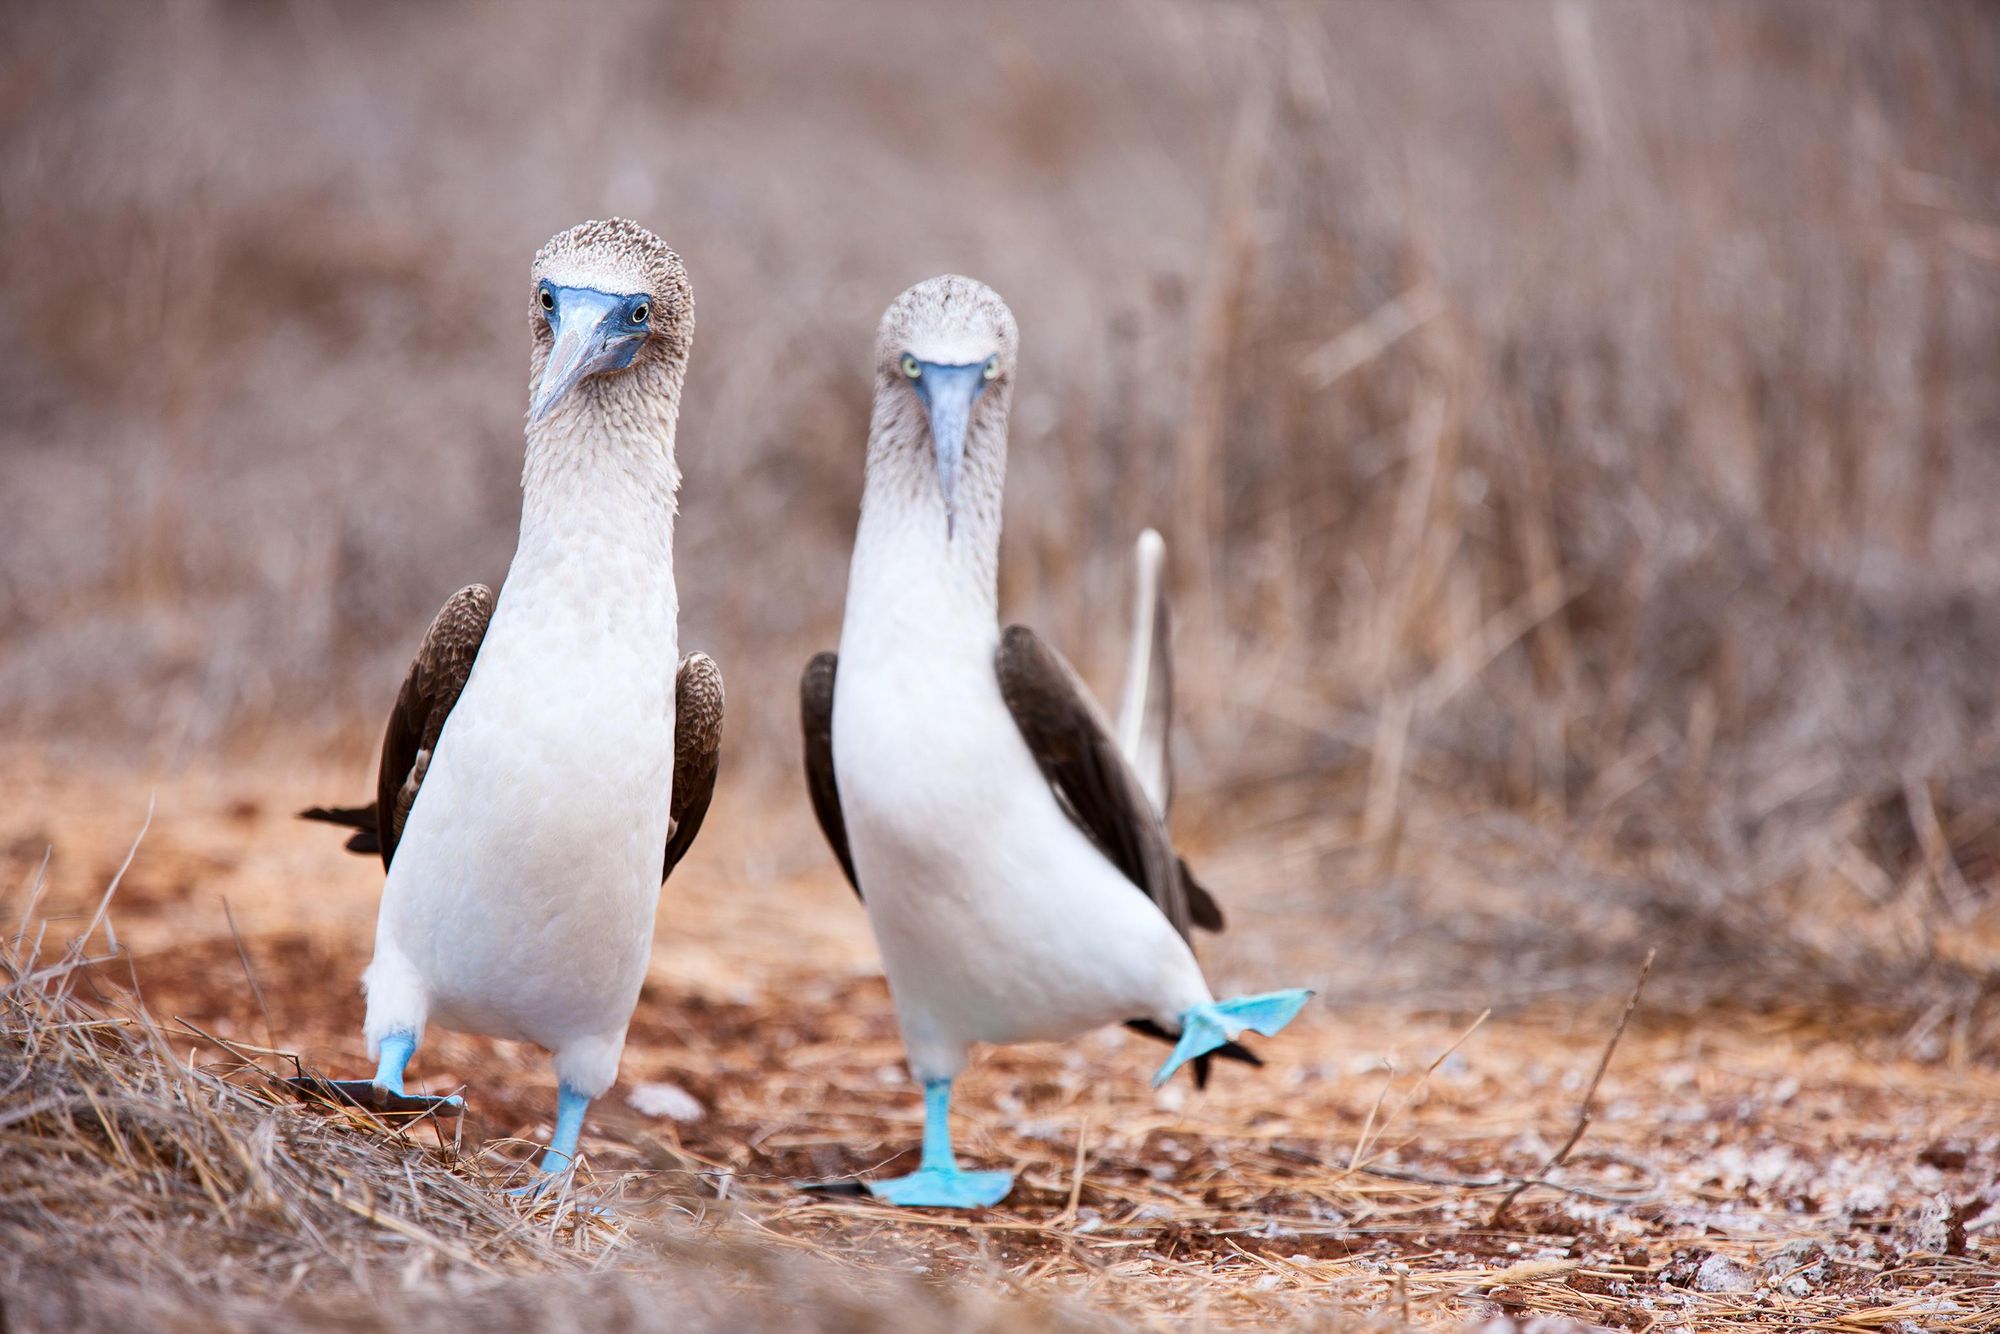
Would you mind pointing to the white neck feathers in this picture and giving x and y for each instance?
(902, 549)
(600, 470)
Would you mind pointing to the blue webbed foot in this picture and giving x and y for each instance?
(1209, 1025)
(382, 1101)
(944, 1188)
(561, 1153)
(539, 1184)
(543, 1186)
(938, 1183)
(383, 1094)
(532, 1191)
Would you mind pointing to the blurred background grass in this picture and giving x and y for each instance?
(1573, 425)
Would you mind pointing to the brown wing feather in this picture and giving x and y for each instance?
(361, 819)
(1075, 750)
(436, 676)
(816, 719)
(697, 752)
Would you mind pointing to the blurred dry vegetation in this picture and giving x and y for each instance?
(1574, 425)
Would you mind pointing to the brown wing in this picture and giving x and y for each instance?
(1074, 748)
(816, 718)
(436, 676)
(697, 752)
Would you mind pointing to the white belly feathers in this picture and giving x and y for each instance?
(524, 889)
(997, 918)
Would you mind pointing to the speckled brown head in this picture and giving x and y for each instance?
(944, 370)
(610, 302)
(948, 320)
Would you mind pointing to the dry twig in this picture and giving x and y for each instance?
(1583, 1110)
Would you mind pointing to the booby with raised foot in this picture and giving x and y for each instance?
(1014, 865)
(549, 742)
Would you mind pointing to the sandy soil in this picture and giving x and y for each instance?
(1772, 1168)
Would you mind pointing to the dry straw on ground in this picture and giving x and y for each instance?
(1738, 1169)
(142, 1188)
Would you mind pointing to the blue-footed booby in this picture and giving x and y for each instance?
(545, 747)
(1014, 867)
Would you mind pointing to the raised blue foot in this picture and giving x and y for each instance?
(1212, 1023)
(938, 1183)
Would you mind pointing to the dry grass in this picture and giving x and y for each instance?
(141, 1186)
(1355, 1181)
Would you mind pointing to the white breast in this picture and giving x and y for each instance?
(524, 889)
(997, 919)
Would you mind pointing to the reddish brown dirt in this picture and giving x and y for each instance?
(1743, 1168)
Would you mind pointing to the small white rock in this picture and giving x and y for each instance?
(666, 1100)
(1718, 1273)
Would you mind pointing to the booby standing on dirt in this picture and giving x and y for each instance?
(1017, 875)
(544, 749)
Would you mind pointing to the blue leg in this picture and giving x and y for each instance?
(570, 1107)
(384, 1093)
(1212, 1023)
(938, 1183)
(397, 1049)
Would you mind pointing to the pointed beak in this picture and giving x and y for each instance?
(948, 393)
(591, 336)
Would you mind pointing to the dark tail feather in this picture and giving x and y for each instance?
(1229, 1051)
(348, 817)
(361, 819)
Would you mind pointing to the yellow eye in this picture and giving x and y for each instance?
(910, 366)
(640, 312)
(548, 299)
(992, 370)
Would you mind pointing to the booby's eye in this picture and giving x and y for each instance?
(548, 299)
(640, 312)
(910, 366)
(991, 371)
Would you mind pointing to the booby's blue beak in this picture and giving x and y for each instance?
(948, 393)
(594, 332)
